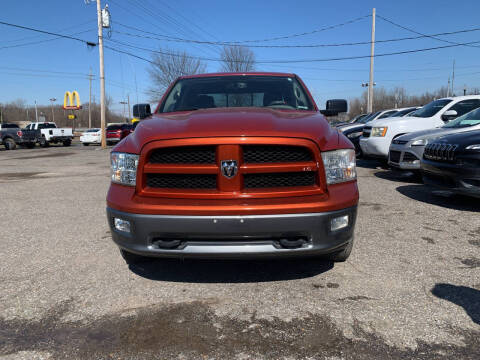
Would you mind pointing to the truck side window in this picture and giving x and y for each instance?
(172, 101)
(462, 107)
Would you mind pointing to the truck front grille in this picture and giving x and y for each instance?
(184, 155)
(255, 181)
(261, 165)
(275, 154)
(182, 181)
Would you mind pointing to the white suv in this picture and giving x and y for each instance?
(378, 134)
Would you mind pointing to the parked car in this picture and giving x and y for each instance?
(91, 136)
(117, 132)
(373, 116)
(378, 134)
(11, 135)
(354, 133)
(234, 165)
(453, 162)
(352, 121)
(50, 134)
(407, 150)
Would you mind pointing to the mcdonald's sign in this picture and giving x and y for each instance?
(70, 99)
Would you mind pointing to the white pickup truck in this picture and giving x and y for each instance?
(50, 134)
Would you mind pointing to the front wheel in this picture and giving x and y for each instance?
(67, 143)
(10, 144)
(131, 258)
(342, 255)
(44, 143)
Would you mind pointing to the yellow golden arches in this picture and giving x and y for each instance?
(71, 98)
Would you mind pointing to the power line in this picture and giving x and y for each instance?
(419, 33)
(41, 41)
(89, 43)
(298, 60)
(219, 43)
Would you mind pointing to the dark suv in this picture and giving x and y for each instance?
(453, 162)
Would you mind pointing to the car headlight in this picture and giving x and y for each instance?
(473, 147)
(124, 168)
(339, 165)
(379, 131)
(420, 142)
(355, 134)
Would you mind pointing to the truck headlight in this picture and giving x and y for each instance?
(340, 165)
(420, 142)
(379, 131)
(355, 134)
(124, 168)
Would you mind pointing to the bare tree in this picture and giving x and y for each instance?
(237, 58)
(168, 66)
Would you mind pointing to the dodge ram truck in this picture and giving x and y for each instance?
(234, 165)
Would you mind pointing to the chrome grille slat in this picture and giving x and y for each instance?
(440, 152)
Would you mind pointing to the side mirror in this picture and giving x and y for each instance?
(141, 111)
(449, 115)
(334, 107)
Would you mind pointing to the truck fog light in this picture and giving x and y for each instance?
(122, 225)
(339, 223)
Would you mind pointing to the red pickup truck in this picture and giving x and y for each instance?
(234, 165)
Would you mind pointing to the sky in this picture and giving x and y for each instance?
(37, 67)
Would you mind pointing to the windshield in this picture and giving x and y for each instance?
(431, 109)
(388, 114)
(368, 118)
(469, 119)
(403, 112)
(93, 130)
(236, 91)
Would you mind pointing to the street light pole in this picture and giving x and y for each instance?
(102, 74)
(52, 100)
(372, 51)
(123, 103)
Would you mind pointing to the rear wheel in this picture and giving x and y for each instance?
(131, 258)
(342, 255)
(67, 143)
(10, 144)
(43, 142)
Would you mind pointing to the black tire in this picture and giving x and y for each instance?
(342, 255)
(86, 144)
(44, 143)
(67, 143)
(10, 144)
(131, 258)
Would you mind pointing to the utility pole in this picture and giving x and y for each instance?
(453, 76)
(90, 101)
(1, 114)
(36, 112)
(123, 103)
(52, 100)
(129, 113)
(448, 87)
(464, 89)
(372, 53)
(102, 74)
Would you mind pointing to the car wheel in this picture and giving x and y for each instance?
(86, 144)
(342, 255)
(10, 144)
(44, 143)
(67, 143)
(131, 258)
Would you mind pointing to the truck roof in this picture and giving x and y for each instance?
(238, 74)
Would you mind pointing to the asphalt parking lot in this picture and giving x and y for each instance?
(411, 288)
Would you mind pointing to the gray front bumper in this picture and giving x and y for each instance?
(232, 236)
(403, 149)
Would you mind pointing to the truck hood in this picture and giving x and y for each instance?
(226, 122)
